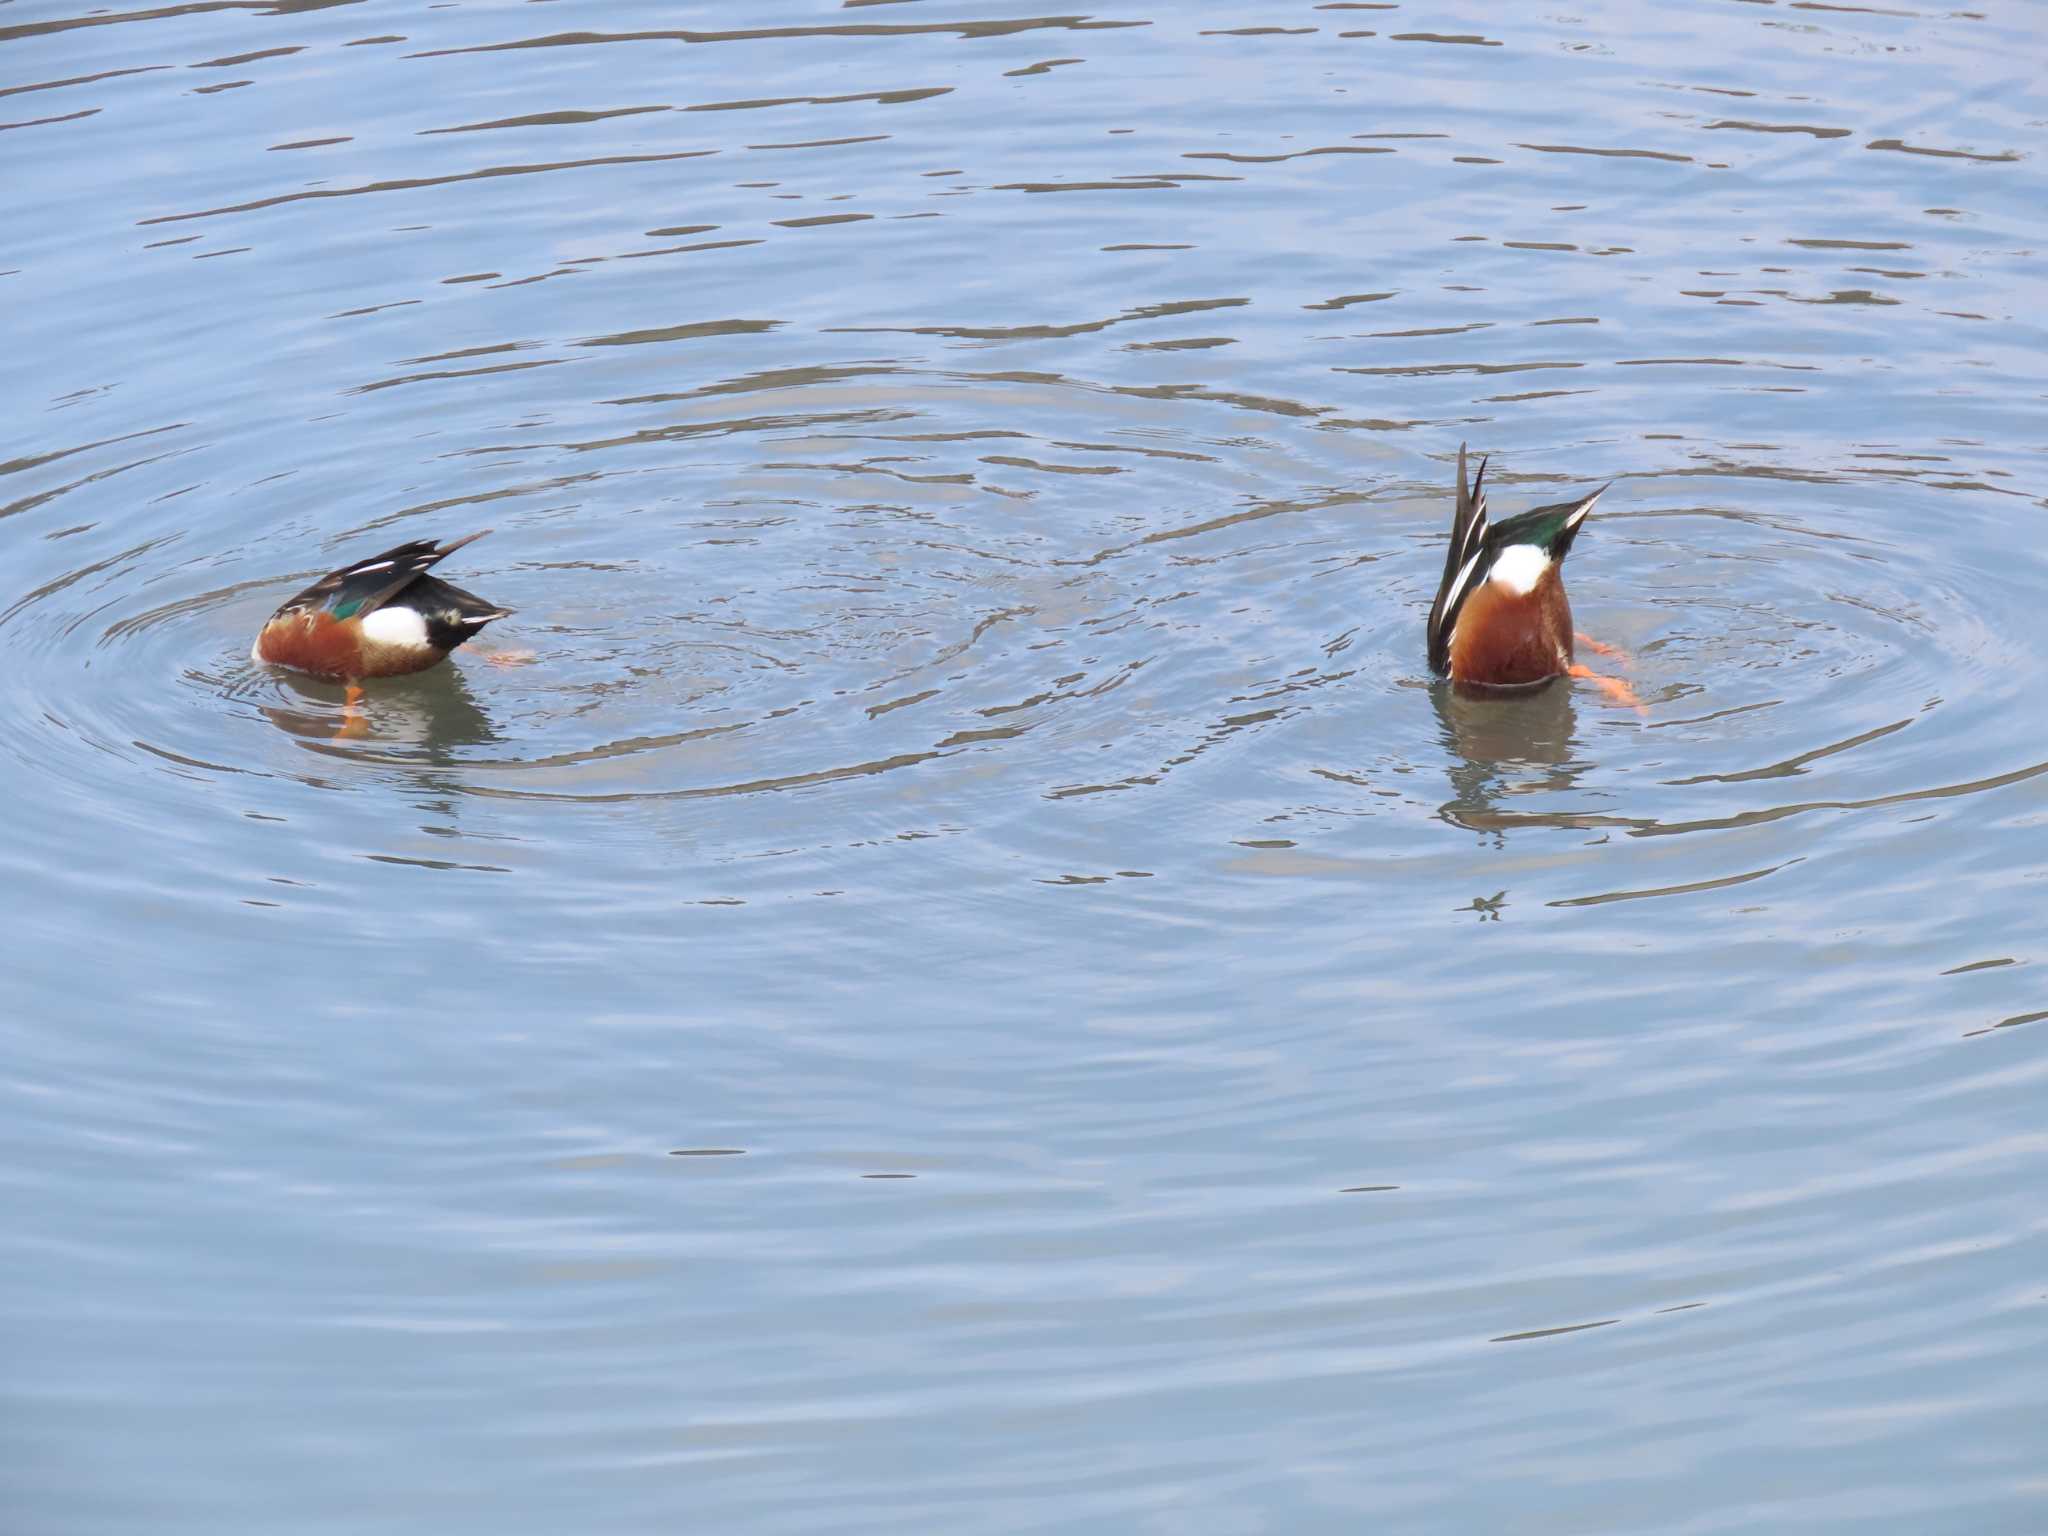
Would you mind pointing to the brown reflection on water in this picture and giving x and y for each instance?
(432, 717)
(1499, 745)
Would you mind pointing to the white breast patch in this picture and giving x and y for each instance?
(1519, 567)
(402, 627)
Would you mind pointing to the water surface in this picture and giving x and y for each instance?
(951, 969)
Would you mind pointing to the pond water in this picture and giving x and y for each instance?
(951, 969)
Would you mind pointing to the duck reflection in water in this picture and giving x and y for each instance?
(427, 718)
(1500, 744)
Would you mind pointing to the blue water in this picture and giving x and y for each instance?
(951, 969)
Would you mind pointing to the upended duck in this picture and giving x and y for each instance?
(380, 617)
(1501, 618)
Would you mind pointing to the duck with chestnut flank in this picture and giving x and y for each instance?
(1501, 618)
(380, 617)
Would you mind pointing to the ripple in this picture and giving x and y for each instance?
(857, 672)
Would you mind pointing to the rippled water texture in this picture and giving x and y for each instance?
(951, 969)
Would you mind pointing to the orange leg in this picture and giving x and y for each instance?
(354, 722)
(1612, 652)
(507, 658)
(1617, 689)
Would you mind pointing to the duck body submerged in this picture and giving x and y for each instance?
(380, 617)
(1501, 618)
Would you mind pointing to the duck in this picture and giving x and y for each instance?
(1501, 618)
(383, 616)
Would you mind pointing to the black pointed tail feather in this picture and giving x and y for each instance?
(368, 584)
(452, 614)
(1468, 537)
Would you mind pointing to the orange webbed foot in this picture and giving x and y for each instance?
(1617, 689)
(508, 658)
(354, 723)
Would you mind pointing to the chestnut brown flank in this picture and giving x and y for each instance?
(316, 643)
(1502, 639)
